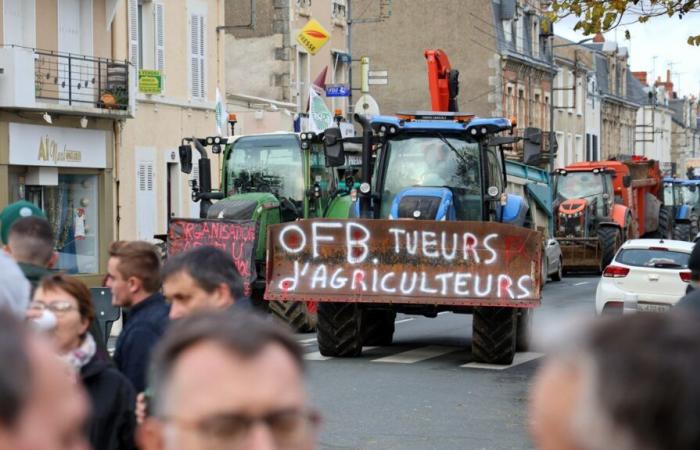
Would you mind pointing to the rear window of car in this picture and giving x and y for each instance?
(657, 258)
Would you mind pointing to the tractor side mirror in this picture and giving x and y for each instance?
(627, 181)
(185, 158)
(333, 147)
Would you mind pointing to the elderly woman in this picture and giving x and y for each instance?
(112, 422)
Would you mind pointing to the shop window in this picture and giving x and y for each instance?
(72, 208)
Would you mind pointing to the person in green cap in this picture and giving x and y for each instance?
(15, 211)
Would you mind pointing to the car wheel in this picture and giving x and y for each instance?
(559, 274)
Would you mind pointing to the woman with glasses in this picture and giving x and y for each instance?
(112, 422)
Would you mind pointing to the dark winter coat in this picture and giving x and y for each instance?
(112, 420)
(143, 328)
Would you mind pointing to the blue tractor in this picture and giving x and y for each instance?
(684, 199)
(429, 166)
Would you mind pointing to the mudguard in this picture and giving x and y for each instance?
(619, 214)
(515, 210)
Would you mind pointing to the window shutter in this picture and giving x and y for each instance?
(142, 176)
(159, 17)
(195, 67)
(203, 57)
(134, 32)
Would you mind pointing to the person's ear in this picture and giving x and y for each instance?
(224, 297)
(150, 435)
(53, 260)
(134, 284)
(8, 249)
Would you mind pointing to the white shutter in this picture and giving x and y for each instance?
(159, 18)
(145, 195)
(198, 48)
(134, 33)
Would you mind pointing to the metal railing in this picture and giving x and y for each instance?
(72, 79)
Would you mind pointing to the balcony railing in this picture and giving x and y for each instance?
(80, 80)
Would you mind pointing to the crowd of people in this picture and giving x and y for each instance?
(195, 367)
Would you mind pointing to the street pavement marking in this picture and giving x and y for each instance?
(581, 283)
(404, 320)
(520, 358)
(305, 341)
(417, 354)
(316, 356)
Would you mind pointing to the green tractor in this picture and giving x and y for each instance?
(269, 178)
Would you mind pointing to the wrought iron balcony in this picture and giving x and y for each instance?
(68, 82)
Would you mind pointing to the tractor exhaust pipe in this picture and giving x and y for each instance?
(365, 186)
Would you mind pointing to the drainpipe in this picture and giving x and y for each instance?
(117, 130)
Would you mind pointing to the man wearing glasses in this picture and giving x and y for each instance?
(228, 381)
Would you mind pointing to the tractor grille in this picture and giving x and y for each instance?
(419, 207)
(232, 209)
(567, 226)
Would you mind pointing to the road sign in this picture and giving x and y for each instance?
(378, 81)
(366, 104)
(337, 90)
(313, 36)
(378, 73)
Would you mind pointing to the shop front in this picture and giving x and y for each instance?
(67, 173)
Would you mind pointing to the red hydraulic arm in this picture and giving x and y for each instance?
(443, 81)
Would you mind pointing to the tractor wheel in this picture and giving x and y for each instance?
(298, 315)
(665, 223)
(522, 332)
(378, 326)
(494, 335)
(609, 238)
(693, 227)
(339, 330)
(682, 232)
(560, 271)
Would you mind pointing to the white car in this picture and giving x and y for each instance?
(645, 275)
(552, 262)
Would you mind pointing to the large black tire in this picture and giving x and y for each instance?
(339, 329)
(610, 241)
(693, 228)
(681, 232)
(378, 326)
(666, 227)
(522, 332)
(494, 335)
(296, 314)
(559, 274)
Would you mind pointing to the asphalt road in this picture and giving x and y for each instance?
(423, 392)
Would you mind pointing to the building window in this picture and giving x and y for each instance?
(198, 52)
(521, 106)
(579, 96)
(339, 11)
(535, 38)
(19, 23)
(570, 86)
(507, 30)
(520, 35)
(302, 74)
(594, 148)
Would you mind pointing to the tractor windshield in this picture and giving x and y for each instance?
(669, 194)
(430, 161)
(689, 194)
(579, 185)
(271, 163)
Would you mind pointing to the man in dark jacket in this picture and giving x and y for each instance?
(30, 243)
(134, 278)
(691, 300)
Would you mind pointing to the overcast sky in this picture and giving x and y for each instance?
(661, 37)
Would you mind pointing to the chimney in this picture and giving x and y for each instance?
(641, 76)
(599, 38)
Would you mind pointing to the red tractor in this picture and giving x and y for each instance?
(598, 205)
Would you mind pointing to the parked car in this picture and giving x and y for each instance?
(644, 275)
(552, 263)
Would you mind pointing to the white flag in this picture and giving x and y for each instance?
(220, 115)
(320, 117)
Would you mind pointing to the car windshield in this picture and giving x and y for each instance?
(267, 164)
(657, 258)
(579, 185)
(430, 161)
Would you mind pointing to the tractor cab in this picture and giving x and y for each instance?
(438, 166)
(581, 198)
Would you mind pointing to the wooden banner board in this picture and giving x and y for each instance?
(404, 261)
(235, 237)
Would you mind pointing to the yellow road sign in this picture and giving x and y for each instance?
(313, 36)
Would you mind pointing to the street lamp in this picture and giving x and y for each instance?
(551, 95)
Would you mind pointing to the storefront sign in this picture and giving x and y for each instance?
(39, 145)
(313, 36)
(150, 81)
(235, 237)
